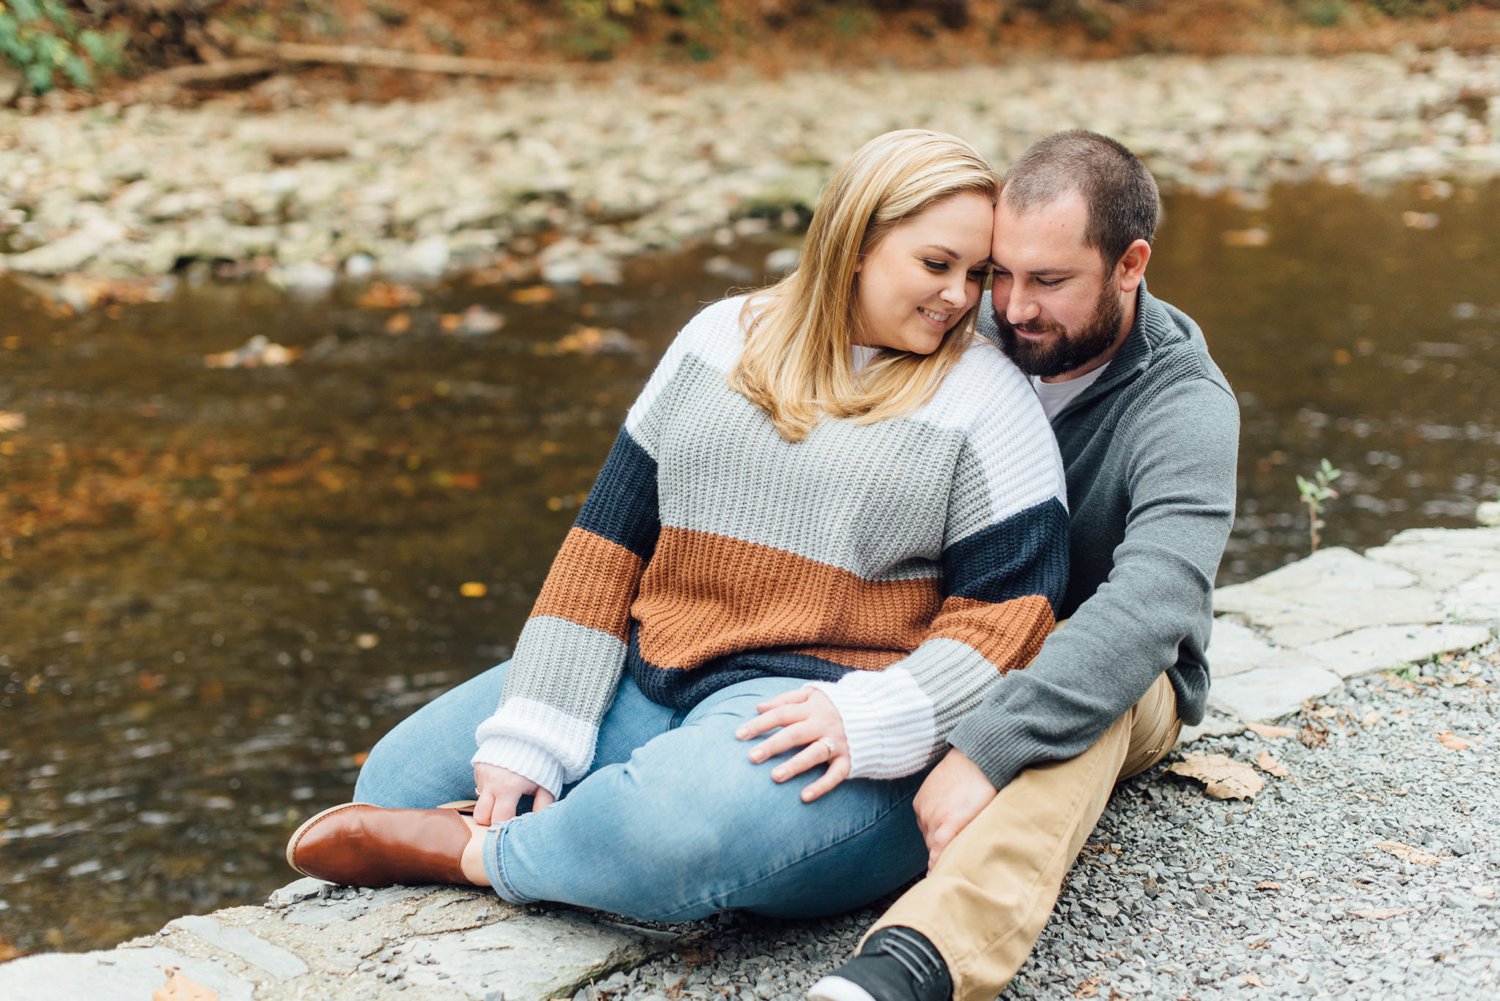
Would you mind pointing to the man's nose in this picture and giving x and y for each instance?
(1020, 308)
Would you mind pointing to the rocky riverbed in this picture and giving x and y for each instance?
(567, 179)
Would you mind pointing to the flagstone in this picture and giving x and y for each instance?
(1380, 648)
(1268, 693)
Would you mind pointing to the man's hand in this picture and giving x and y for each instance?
(500, 791)
(951, 796)
(808, 719)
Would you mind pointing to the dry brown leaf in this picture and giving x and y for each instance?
(1314, 734)
(1088, 989)
(1254, 981)
(1271, 766)
(1452, 741)
(387, 295)
(1267, 884)
(1370, 718)
(1222, 776)
(398, 324)
(1407, 853)
(180, 988)
(534, 294)
(1383, 914)
(1324, 712)
(1270, 732)
(590, 341)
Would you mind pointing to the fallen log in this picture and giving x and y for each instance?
(415, 62)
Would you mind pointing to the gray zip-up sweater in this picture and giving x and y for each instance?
(1150, 452)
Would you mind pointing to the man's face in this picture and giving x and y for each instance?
(1057, 308)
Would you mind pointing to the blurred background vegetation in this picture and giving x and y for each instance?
(85, 44)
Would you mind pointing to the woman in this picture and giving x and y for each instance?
(831, 516)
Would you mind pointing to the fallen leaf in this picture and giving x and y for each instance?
(1088, 989)
(398, 324)
(1222, 776)
(534, 294)
(590, 341)
(1324, 712)
(1270, 732)
(698, 955)
(1407, 853)
(180, 988)
(258, 352)
(386, 295)
(1254, 981)
(1314, 734)
(1452, 741)
(10, 421)
(1267, 884)
(1371, 718)
(1271, 766)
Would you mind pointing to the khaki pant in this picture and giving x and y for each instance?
(988, 899)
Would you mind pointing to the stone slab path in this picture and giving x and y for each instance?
(1293, 635)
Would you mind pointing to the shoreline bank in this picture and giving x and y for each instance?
(564, 181)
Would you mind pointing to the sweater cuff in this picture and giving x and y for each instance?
(524, 758)
(989, 740)
(888, 721)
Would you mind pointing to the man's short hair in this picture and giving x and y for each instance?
(1123, 203)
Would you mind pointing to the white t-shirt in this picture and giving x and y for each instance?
(1056, 395)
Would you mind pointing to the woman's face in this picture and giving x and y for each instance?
(924, 276)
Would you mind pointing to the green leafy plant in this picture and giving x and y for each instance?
(43, 39)
(1314, 494)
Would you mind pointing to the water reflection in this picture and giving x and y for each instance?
(220, 585)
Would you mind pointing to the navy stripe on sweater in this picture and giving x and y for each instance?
(622, 507)
(1025, 554)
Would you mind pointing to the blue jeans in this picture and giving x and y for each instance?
(672, 822)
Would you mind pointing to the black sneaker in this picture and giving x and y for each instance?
(895, 964)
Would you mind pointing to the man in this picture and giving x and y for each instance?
(1148, 429)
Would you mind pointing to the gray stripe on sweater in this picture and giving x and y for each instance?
(570, 667)
(870, 499)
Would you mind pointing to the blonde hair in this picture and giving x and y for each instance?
(796, 365)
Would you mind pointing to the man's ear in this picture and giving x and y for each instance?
(1132, 266)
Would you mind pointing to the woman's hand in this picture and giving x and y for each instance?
(808, 719)
(500, 791)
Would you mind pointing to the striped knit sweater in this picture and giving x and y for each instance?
(900, 565)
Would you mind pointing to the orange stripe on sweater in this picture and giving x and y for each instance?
(1008, 634)
(705, 595)
(860, 660)
(592, 582)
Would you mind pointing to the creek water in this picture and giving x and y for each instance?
(218, 586)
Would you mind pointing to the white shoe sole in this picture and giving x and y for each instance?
(838, 989)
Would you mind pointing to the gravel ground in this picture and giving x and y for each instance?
(1371, 870)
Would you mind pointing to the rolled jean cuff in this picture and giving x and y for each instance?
(495, 872)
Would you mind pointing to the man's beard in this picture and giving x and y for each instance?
(1068, 350)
